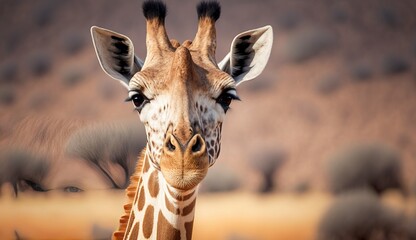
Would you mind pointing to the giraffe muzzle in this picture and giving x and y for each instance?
(184, 165)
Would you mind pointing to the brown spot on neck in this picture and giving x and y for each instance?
(181, 197)
(165, 231)
(188, 209)
(186, 197)
(153, 184)
(142, 199)
(146, 165)
(131, 220)
(135, 231)
(188, 227)
(148, 221)
(138, 187)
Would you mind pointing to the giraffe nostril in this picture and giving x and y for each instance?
(170, 146)
(197, 145)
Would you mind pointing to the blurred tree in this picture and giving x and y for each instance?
(109, 145)
(220, 179)
(22, 169)
(372, 167)
(360, 215)
(267, 163)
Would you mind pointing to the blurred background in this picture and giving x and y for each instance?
(322, 145)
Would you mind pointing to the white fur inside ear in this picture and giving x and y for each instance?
(250, 52)
(115, 53)
(225, 64)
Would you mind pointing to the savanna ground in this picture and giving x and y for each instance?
(341, 74)
(236, 215)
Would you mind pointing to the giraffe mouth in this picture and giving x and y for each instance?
(184, 182)
(184, 166)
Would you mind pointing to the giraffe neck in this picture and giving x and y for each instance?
(159, 211)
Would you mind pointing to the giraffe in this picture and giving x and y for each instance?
(181, 95)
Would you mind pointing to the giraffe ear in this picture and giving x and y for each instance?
(115, 52)
(249, 54)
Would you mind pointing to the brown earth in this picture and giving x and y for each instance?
(235, 215)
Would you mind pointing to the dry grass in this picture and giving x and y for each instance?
(218, 216)
(223, 216)
(59, 216)
(249, 216)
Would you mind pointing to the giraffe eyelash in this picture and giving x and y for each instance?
(232, 93)
(226, 97)
(138, 99)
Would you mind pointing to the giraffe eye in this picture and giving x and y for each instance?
(138, 99)
(226, 98)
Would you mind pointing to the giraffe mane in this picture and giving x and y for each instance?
(130, 192)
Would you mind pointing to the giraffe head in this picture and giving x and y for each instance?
(180, 92)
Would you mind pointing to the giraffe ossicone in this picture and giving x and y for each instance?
(182, 95)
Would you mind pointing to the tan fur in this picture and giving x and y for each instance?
(205, 39)
(157, 41)
(165, 231)
(191, 66)
(184, 169)
(182, 96)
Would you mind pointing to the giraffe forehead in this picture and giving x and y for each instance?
(182, 72)
(172, 105)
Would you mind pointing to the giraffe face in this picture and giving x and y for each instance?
(182, 107)
(180, 91)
